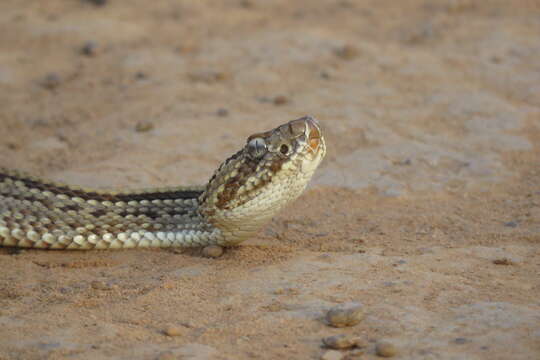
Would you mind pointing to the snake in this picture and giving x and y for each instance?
(270, 171)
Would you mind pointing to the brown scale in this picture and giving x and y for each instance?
(235, 156)
(232, 186)
(234, 183)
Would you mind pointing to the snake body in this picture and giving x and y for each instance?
(246, 190)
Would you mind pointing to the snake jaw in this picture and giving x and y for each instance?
(247, 190)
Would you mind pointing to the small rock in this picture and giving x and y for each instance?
(286, 291)
(275, 306)
(172, 330)
(345, 315)
(207, 76)
(346, 4)
(385, 349)
(144, 126)
(89, 48)
(461, 340)
(511, 224)
(166, 356)
(496, 59)
(405, 162)
(51, 81)
(100, 285)
(503, 261)
(325, 75)
(281, 100)
(347, 52)
(246, 4)
(343, 341)
(212, 251)
(140, 75)
(332, 355)
(222, 112)
(97, 2)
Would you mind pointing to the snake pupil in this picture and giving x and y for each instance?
(284, 149)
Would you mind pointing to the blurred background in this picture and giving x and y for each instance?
(413, 94)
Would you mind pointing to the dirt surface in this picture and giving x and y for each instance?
(426, 210)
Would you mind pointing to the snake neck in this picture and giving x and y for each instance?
(41, 214)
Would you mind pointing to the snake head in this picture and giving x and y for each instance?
(271, 170)
(300, 137)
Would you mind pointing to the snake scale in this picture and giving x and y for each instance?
(246, 190)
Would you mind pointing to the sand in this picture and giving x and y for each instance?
(426, 209)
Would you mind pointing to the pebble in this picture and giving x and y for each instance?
(51, 81)
(166, 356)
(385, 349)
(139, 75)
(97, 2)
(100, 285)
(347, 52)
(286, 291)
(144, 126)
(275, 306)
(325, 75)
(332, 355)
(207, 76)
(89, 48)
(222, 112)
(461, 340)
(503, 261)
(344, 315)
(172, 330)
(246, 4)
(343, 341)
(511, 224)
(212, 251)
(495, 59)
(281, 100)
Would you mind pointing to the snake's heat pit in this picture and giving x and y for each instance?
(246, 190)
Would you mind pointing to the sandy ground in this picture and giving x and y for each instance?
(426, 209)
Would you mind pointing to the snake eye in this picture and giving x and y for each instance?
(256, 147)
(284, 149)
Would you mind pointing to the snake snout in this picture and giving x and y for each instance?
(309, 127)
(314, 133)
(312, 130)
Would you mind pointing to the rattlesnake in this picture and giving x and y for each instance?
(247, 189)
